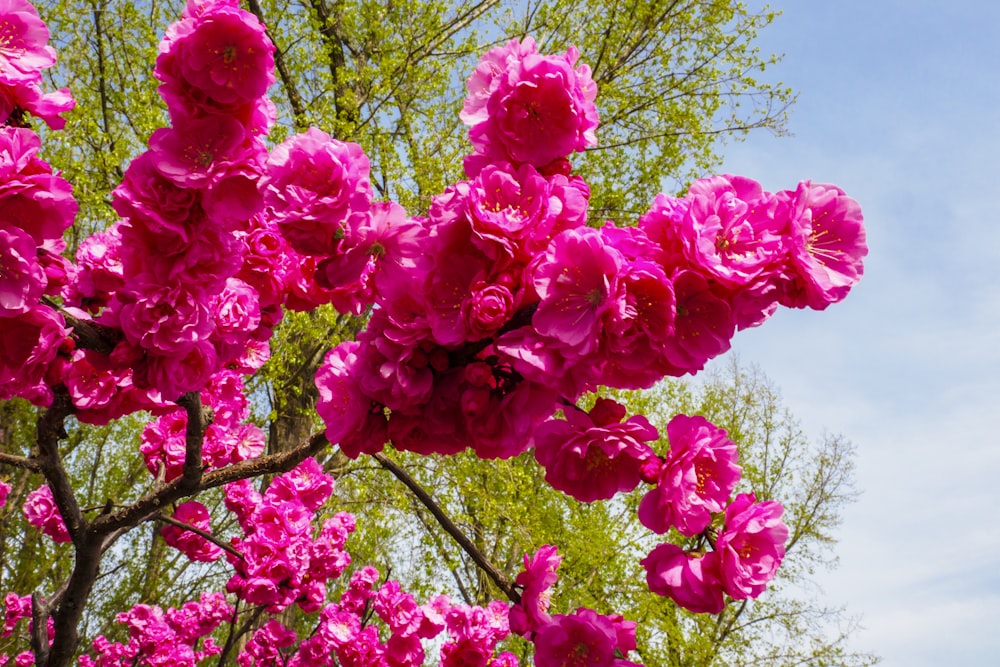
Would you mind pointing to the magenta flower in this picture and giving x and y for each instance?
(751, 546)
(689, 579)
(538, 108)
(41, 512)
(312, 185)
(221, 53)
(200, 153)
(585, 639)
(29, 345)
(536, 581)
(4, 491)
(703, 326)
(827, 245)
(696, 479)
(730, 232)
(592, 456)
(192, 545)
(22, 280)
(344, 408)
(577, 281)
(32, 198)
(24, 49)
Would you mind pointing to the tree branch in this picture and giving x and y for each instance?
(498, 577)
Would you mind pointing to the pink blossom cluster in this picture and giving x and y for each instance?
(513, 303)
(25, 53)
(581, 638)
(161, 638)
(16, 609)
(346, 633)
(281, 563)
(745, 558)
(4, 491)
(41, 512)
(36, 207)
(229, 438)
(527, 108)
(167, 274)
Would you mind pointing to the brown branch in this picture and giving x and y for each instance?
(153, 502)
(498, 577)
(50, 431)
(198, 419)
(39, 629)
(20, 462)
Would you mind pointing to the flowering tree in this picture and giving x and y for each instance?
(487, 320)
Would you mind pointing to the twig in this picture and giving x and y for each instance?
(498, 577)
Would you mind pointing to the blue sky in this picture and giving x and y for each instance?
(899, 105)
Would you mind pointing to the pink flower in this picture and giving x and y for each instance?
(170, 319)
(201, 153)
(827, 245)
(539, 108)
(305, 483)
(41, 512)
(751, 546)
(585, 639)
(4, 490)
(594, 456)
(695, 480)
(344, 408)
(536, 581)
(577, 283)
(29, 97)
(703, 327)
(22, 280)
(32, 198)
(689, 579)
(194, 546)
(487, 308)
(730, 231)
(222, 53)
(29, 345)
(312, 185)
(24, 39)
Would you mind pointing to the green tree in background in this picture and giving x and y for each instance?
(676, 78)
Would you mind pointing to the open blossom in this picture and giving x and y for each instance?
(731, 234)
(24, 49)
(697, 477)
(689, 579)
(583, 639)
(219, 58)
(592, 456)
(538, 108)
(22, 280)
(577, 283)
(41, 512)
(4, 490)
(751, 546)
(827, 246)
(536, 581)
(312, 185)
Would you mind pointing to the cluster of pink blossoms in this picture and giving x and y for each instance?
(164, 638)
(228, 439)
(36, 207)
